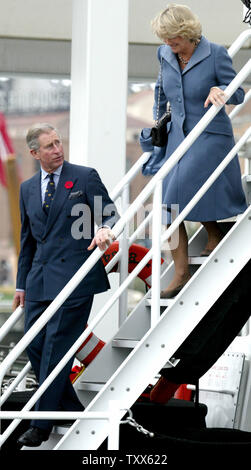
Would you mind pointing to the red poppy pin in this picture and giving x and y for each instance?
(68, 184)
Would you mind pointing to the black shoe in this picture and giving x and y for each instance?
(33, 437)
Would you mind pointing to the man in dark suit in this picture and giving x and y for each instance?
(59, 208)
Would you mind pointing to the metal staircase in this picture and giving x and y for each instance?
(143, 356)
(149, 337)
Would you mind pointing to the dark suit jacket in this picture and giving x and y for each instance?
(53, 248)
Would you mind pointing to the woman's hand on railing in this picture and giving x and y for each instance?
(19, 299)
(103, 238)
(216, 96)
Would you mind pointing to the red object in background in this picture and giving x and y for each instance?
(75, 372)
(183, 393)
(6, 148)
(136, 254)
(89, 349)
(2, 174)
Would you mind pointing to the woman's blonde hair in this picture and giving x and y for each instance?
(177, 20)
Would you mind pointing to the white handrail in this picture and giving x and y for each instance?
(116, 192)
(13, 318)
(115, 296)
(238, 108)
(71, 285)
(14, 383)
(117, 230)
(81, 273)
(242, 38)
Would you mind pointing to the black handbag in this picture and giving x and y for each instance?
(159, 132)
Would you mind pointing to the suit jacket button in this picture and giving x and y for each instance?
(62, 260)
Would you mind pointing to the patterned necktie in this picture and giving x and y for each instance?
(49, 193)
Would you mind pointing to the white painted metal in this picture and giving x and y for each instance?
(114, 423)
(168, 232)
(235, 111)
(238, 43)
(220, 388)
(82, 337)
(156, 252)
(116, 192)
(118, 228)
(207, 184)
(55, 370)
(161, 342)
(15, 383)
(123, 264)
(12, 320)
(99, 86)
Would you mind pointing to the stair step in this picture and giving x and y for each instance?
(91, 386)
(163, 302)
(196, 259)
(124, 343)
(131, 343)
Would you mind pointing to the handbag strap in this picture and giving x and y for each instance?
(160, 86)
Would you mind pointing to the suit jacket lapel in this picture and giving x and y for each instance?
(35, 195)
(201, 52)
(170, 57)
(61, 194)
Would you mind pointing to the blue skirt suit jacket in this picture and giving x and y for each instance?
(187, 90)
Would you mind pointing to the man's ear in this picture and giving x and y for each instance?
(34, 154)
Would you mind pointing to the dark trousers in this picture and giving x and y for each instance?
(216, 331)
(48, 348)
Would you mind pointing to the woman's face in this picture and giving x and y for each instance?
(178, 44)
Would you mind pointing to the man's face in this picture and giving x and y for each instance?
(50, 153)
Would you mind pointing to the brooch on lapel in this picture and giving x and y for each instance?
(68, 184)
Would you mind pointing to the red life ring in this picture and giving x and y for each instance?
(136, 254)
(92, 345)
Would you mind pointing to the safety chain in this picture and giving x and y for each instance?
(31, 384)
(130, 420)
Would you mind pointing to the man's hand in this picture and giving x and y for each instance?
(19, 298)
(103, 238)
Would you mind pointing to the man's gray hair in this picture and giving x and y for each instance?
(34, 133)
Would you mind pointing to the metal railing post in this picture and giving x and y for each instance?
(114, 425)
(70, 286)
(123, 263)
(156, 252)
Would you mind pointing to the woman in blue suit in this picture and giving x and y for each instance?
(195, 73)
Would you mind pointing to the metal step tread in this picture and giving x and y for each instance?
(90, 386)
(163, 302)
(196, 259)
(131, 343)
(124, 343)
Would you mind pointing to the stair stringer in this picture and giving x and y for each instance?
(161, 341)
(134, 328)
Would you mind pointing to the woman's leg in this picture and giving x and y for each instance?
(180, 258)
(215, 235)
